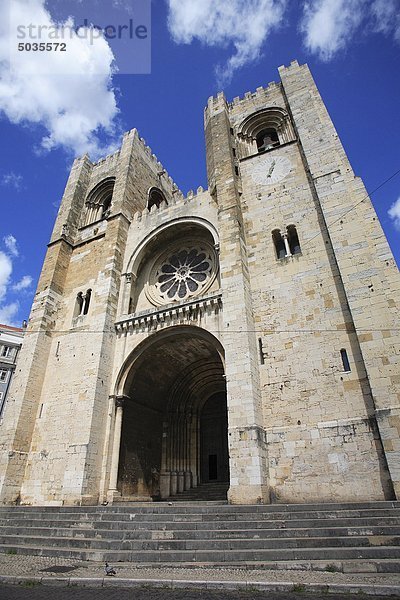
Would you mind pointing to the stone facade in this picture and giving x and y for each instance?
(255, 322)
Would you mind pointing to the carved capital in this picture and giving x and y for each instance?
(129, 277)
(120, 401)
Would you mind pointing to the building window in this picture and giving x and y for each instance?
(267, 139)
(345, 360)
(86, 302)
(264, 130)
(155, 198)
(98, 202)
(6, 351)
(82, 303)
(3, 375)
(279, 244)
(286, 244)
(293, 240)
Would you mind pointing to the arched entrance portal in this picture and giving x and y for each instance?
(174, 427)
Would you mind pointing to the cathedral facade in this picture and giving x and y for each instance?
(247, 333)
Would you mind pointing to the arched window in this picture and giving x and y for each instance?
(266, 139)
(98, 202)
(82, 304)
(78, 305)
(86, 304)
(279, 243)
(345, 360)
(293, 240)
(156, 197)
(286, 244)
(264, 130)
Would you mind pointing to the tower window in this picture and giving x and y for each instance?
(266, 139)
(78, 305)
(156, 197)
(82, 304)
(293, 240)
(86, 303)
(98, 203)
(279, 244)
(345, 360)
(286, 244)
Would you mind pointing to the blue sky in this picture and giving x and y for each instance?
(49, 115)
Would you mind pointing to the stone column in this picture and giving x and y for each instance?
(165, 475)
(287, 247)
(113, 491)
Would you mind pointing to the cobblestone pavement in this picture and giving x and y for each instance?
(39, 566)
(49, 578)
(40, 592)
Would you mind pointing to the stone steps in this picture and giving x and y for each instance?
(212, 535)
(205, 492)
(245, 543)
(133, 533)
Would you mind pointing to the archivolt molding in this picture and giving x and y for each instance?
(136, 258)
(123, 378)
(273, 117)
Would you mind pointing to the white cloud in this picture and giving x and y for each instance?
(386, 17)
(394, 213)
(5, 273)
(9, 308)
(23, 284)
(7, 314)
(11, 244)
(68, 93)
(245, 24)
(328, 25)
(12, 180)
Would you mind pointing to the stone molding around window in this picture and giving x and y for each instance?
(273, 123)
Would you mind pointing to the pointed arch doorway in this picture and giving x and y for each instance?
(174, 434)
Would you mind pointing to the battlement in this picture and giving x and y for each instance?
(218, 101)
(107, 162)
(177, 198)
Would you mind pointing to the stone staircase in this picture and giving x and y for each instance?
(206, 492)
(346, 537)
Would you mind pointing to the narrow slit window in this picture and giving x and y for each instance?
(78, 305)
(88, 296)
(345, 360)
(261, 350)
(279, 244)
(293, 240)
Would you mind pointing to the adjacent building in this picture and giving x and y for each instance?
(10, 344)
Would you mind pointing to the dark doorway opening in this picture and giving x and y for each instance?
(214, 440)
(212, 467)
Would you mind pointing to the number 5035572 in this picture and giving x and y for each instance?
(42, 47)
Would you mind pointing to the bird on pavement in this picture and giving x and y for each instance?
(109, 570)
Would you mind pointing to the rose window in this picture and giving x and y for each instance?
(183, 273)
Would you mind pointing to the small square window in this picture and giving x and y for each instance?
(6, 351)
(3, 375)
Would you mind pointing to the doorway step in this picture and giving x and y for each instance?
(205, 492)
